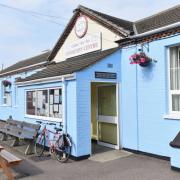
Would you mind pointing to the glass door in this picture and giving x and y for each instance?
(107, 116)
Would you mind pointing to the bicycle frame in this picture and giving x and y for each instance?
(45, 134)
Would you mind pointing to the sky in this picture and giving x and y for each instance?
(24, 34)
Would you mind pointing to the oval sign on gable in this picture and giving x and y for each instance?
(81, 26)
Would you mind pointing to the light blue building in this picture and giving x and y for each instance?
(89, 83)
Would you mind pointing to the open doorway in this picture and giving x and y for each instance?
(104, 116)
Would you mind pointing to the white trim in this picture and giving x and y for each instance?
(172, 116)
(22, 68)
(43, 118)
(64, 104)
(47, 80)
(107, 119)
(169, 83)
(108, 145)
(171, 92)
(118, 116)
(5, 105)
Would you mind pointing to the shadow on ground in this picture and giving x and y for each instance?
(26, 169)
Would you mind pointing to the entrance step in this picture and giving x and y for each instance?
(109, 155)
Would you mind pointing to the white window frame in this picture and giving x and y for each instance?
(172, 92)
(5, 97)
(41, 117)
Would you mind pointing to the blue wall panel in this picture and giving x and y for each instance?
(84, 79)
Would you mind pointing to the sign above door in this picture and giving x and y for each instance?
(105, 75)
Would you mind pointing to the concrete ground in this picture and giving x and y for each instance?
(132, 167)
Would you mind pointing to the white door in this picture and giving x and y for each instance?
(107, 116)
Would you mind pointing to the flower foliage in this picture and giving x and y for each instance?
(140, 58)
(6, 83)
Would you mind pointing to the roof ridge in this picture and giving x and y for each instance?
(84, 7)
(158, 13)
(26, 63)
(31, 57)
(123, 29)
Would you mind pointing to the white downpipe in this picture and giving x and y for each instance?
(64, 99)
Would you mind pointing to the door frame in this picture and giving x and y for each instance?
(115, 120)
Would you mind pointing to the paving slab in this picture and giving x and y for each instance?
(109, 155)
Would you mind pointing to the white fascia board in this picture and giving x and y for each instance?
(156, 30)
(47, 80)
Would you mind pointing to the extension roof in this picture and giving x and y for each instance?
(161, 19)
(31, 63)
(70, 66)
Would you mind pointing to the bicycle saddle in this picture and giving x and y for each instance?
(58, 129)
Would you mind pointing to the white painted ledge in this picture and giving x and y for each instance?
(43, 118)
(172, 116)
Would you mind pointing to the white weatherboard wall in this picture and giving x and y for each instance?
(94, 28)
(84, 79)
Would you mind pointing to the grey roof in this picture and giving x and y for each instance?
(71, 65)
(25, 63)
(161, 19)
(122, 24)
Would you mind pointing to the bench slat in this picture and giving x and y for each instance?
(20, 129)
(10, 158)
(14, 122)
(1, 147)
(31, 126)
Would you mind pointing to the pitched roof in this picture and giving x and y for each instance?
(36, 60)
(70, 66)
(119, 26)
(161, 19)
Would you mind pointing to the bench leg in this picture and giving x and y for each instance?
(6, 169)
(30, 148)
(4, 137)
(15, 142)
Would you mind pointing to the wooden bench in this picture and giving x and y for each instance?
(20, 130)
(8, 160)
(1, 148)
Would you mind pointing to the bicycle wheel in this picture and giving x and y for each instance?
(63, 149)
(40, 145)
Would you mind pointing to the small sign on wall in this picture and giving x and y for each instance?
(105, 75)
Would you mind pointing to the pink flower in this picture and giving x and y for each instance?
(142, 60)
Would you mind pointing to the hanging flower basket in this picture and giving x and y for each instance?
(6, 83)
(140, 58)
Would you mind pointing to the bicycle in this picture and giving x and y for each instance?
(60, 145)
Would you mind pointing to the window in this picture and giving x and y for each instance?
(6, 92)
(46, 102)
(175, 79)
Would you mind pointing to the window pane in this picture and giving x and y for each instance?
(174, 69)
(176, 102)
(31, 101)
(55, 106)
(7, 95)
(42, 103)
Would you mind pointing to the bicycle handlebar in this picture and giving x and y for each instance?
(40, 122)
